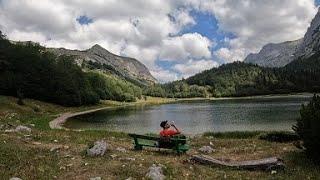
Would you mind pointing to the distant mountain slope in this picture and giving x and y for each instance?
(125, 67)
(311, 40)
(279, 55)
(275, 55)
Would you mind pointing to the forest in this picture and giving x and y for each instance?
(242, 79)
(28, 71)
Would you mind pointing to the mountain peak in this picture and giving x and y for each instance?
(274, 55)
(97, 47)
(310, 43)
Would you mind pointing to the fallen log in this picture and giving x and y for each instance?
(268, 164)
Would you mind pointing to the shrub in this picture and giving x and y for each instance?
(281, 137)
(308, 127)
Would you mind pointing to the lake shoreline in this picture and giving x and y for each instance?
(44, 153)
(58, 122)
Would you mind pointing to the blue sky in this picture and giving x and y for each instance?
(174, 39)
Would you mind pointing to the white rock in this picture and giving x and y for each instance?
(206, 149)
(98, 149)
(55, 149)
(95, 178)
(22, 129)
(155, 173)
(15, 178)
(120, 149)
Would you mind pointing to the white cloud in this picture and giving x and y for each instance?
(149, 30)
(193, 67)
(191, 45)
(164, 75)
(256, 22)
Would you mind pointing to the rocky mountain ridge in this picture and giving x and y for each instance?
(281, 54)
(275, 55)
(126, 67)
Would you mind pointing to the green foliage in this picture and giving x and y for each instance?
(177, 89)
(241, 79)
(308, 127)
(27, 69)
(282, 137)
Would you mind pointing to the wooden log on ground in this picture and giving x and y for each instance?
(271, 163)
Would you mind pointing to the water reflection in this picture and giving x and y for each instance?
(275, 113)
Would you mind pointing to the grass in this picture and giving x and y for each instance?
(30, 156)
(234, 134)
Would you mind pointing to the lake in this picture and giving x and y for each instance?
(195, 117)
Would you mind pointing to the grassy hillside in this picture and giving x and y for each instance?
(60, 154)
(29, 71)
(242, 79)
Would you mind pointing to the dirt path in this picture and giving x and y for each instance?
(59, 121)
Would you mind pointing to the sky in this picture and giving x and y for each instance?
(173, 38)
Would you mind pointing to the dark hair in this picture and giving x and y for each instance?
(163, 124)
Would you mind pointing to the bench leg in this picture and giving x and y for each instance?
(137, 147)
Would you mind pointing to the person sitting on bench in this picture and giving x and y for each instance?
(167, 131)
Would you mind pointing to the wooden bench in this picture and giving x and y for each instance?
(176, 143)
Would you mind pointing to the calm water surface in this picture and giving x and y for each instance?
(195, 117)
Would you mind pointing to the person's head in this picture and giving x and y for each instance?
(165, 124)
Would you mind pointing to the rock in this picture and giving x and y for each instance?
(55, 149)
(275, 55)
(15, 178)
(36, 143)
(120, 149)
(9, 130)
(98, 149)
(155, 173)
(128, 68)
(22, 129)
(95, 178)
(113, 156)
(310, 44)
(129, 178)
(127, 159)
(206, 149)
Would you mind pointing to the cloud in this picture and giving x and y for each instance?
(151, 30)
(256, 23)
(164, 75)
(191, 45)
(192, 67)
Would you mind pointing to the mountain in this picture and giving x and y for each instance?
(311, 40)
(100, 58)
(275, 55)
(281, 54)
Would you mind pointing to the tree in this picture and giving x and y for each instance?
(308, 127)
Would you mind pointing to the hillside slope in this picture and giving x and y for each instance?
(125, 67)
(274, 55)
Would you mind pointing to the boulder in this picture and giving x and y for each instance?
(95, 178)
(15, 178)
(120, 149)
(98, 149)
(21, 128)
(206, 149)
(155, 173)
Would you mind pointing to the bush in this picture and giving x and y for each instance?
(281, 137)
(308, 127)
